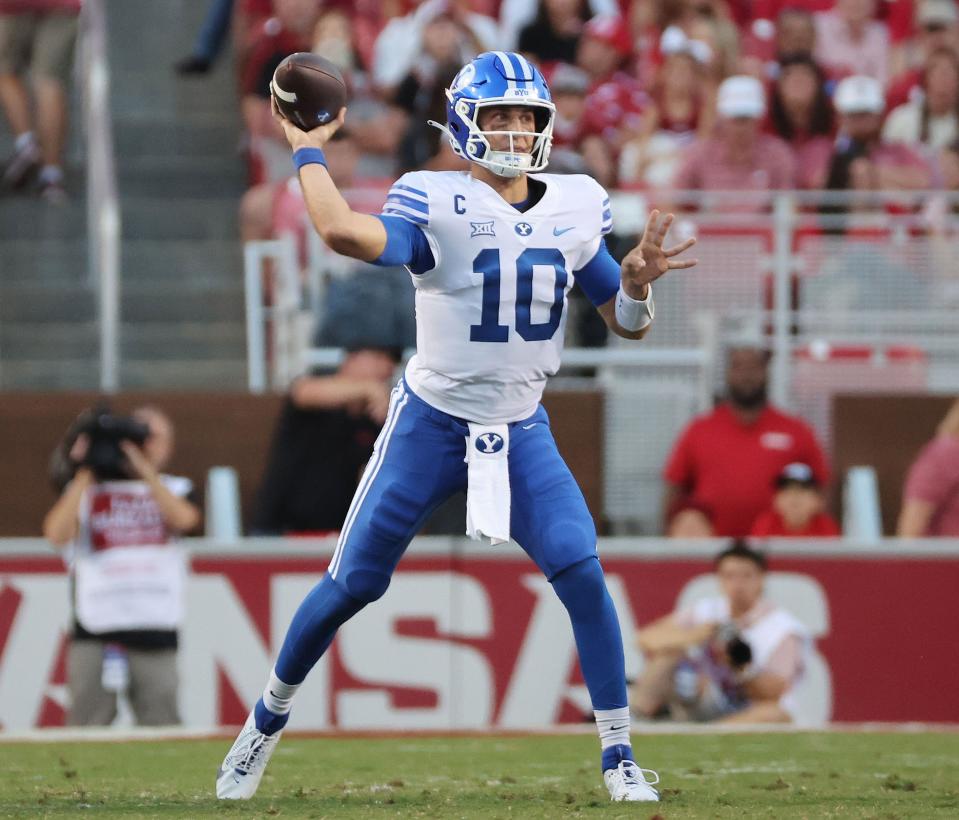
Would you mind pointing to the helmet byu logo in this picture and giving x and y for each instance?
(520, 92)
(489, 443)
(464, 78)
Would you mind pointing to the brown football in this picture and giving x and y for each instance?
(309, 90)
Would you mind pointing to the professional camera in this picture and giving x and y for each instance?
(739, 654)
(105, 432)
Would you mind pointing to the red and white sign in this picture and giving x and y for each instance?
(471, 636)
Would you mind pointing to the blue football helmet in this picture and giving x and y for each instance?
(498, 78)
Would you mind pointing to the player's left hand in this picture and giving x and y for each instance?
(648, 261)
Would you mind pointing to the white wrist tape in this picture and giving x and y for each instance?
(634, 314)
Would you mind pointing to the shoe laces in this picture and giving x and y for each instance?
(633, 775)
(249, 755)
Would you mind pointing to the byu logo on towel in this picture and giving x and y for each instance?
(489, 443)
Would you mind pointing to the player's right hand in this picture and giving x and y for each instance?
(645, 263)
(316, 138)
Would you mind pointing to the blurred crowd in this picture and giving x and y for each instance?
(658, 95)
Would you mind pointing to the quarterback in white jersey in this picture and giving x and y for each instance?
(493, 254)
(489, 254)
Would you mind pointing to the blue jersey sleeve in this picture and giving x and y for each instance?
(600, 277)
(406, 244)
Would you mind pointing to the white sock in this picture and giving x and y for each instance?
(25, 140)
(278, 696)
(613, 726)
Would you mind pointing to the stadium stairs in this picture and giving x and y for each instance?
(180, 178)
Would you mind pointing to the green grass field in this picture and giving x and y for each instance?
(751, 775)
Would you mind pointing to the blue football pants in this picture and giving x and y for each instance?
(417, 464)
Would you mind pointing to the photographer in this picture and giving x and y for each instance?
(119, 517)
(735, 657)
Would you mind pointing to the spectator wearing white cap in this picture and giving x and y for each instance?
(936, 26)
(861, 160)
(740, 157)
(849, 40)
(932, 118)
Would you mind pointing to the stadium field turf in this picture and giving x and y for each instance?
(903, 775)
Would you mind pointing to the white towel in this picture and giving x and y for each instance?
(487, 472)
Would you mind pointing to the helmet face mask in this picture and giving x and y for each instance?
(497, 79)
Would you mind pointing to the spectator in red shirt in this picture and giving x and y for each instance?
(727, 460)
(930, 504)
(739, 157)
(289, 31)
(801, 115)
(797, 508)
(616, 101)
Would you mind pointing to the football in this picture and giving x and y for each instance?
(309, 90)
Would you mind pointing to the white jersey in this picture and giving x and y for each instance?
(491, 314)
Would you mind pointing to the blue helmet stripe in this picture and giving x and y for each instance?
(517, 66)
(525, 67)
(508, 69)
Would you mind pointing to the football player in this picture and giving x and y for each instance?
(493, 253)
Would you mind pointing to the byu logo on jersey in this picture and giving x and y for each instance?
(481, 229)
(489, 443)
(524, 228)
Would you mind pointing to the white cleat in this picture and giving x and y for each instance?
(628, 782)
(242, 769)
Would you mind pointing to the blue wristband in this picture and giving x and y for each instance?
(308, 156)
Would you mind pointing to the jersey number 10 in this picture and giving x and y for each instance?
(487, 262)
